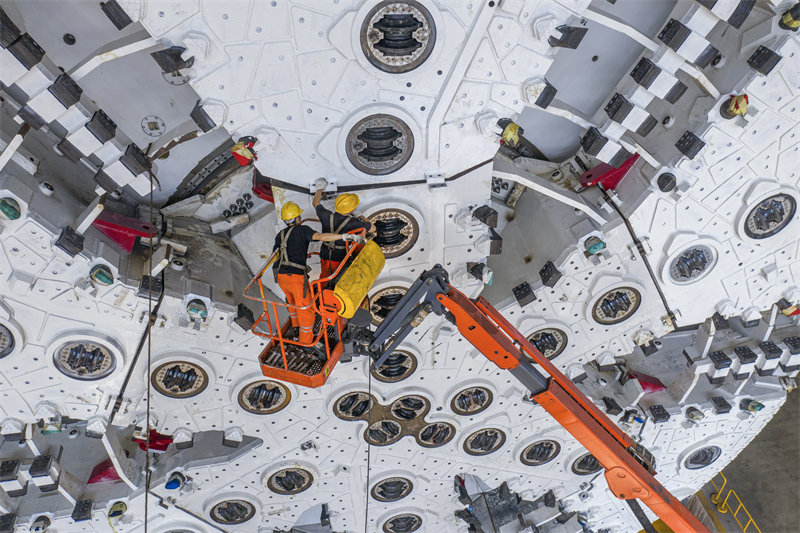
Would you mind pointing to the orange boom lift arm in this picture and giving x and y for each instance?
(629, 468)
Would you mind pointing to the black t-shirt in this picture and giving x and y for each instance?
(324, 216)
(296, 247)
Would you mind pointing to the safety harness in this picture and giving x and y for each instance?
(283, 259)
(332, 244)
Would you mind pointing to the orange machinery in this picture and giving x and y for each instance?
(629, 468)
(287, 359)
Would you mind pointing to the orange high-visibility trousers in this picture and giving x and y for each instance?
(298, 293)
(328, 267)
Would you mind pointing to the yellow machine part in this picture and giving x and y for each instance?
(738, 105)
(510, 134)
(355, 283)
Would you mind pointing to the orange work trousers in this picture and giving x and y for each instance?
(328, 267)
(298, 293)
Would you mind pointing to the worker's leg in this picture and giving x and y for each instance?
(325, 268)
(298, 293)
(328, 267)
(304, 316)
(286, 283)
(334, 265)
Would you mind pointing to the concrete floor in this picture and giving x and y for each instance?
(766, 475)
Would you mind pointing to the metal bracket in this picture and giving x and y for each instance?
(435, 180)
(421, 296)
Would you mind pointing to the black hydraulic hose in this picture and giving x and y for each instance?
(643, 255)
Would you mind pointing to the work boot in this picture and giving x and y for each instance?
(292, 333)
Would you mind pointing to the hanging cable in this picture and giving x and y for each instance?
(643, 254)
(150, 321)
(111, 525)
(369, 444)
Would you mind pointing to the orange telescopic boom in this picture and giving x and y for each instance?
(629, 468)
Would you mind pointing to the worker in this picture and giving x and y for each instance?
(342, 221)
(292, 243)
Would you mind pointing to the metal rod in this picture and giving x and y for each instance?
(13, 145)
(280, 336)
(640, 516)
(111, 55)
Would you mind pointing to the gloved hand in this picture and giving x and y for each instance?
(352, 237)
(321, 184)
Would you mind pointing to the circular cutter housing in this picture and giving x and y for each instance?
(467, 129)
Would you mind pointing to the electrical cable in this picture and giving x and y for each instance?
(137, 353)
(150, 311)
(369, 444)
(150, 322)
(642, 253)
(372, 186)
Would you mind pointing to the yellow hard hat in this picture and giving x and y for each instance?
(290, 211)
(346, 202)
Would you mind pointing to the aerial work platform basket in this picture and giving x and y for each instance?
(334, 300)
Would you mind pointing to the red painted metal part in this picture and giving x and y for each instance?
(262, 187)
(158, 442)
(123, 230)
(648, 383)
(607, 176)
(104, 471)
